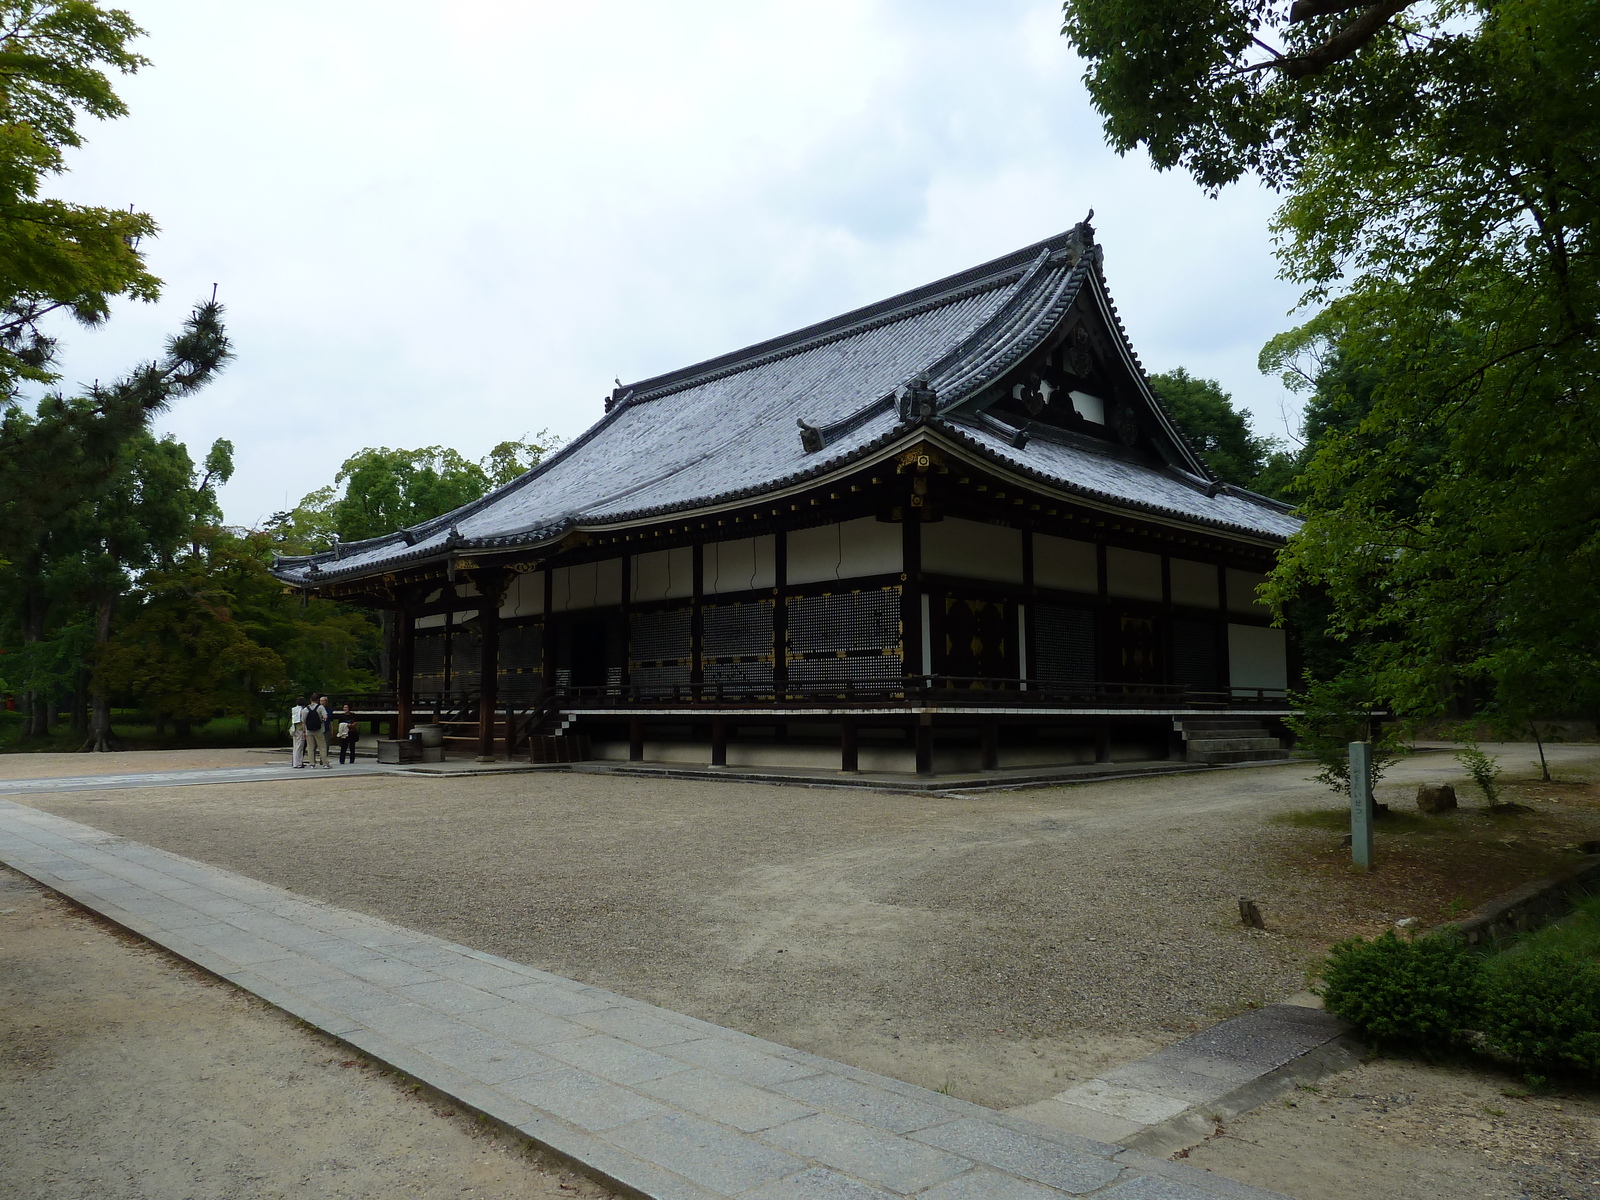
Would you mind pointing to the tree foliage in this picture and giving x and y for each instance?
(1438, 165)
(379, 490)
(1220, 432)
(56, 256)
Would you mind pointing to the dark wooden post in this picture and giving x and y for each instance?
(719, 741)
(849, 750)
(989, 740)
(547, 640)
(1102, 740)
(491, 583)
(697, 673)
(911, 591)
(405, 657)
(1026, 655)
(923, 736)
(635, 739)
(780, 617)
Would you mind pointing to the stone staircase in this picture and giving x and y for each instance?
(1227, 740)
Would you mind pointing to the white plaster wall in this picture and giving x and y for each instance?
(1065, 565)
(972, 550)
(435, 621)
(849, 550)
(1258, 657)
(1133, 574)
(589, 585)
(1194, 583)
(1242, 592)
(663, 574)
(738, 566)
(524, 595)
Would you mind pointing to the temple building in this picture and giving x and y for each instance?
(952, 530)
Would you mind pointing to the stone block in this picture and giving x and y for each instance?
(705, 1154)
(582, 1100)
(867, 1152)
(1435, 797)
(708, 1094)
(818, 1183)
(1021, 1154)
(863, 1102)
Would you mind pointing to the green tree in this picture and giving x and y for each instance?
(54, 256)
(1219, 431)
(379, 490)
(1438, 165)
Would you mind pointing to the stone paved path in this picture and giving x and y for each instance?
(652, 1100)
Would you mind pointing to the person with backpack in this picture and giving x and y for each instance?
(317, 731)
(346, 729)
(297, 732)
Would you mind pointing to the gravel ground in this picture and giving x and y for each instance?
(128, 762)
(125, 1075)
(1000, 947)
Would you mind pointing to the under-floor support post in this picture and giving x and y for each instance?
(635, 739)
(989, 741)
(719, 741)
(1102, 740)
(849, 748)
(924, 743)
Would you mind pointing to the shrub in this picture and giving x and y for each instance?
(1484, 769)
(1423, 992)
(1542, 1008)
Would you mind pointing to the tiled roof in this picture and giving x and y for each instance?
(729, 427)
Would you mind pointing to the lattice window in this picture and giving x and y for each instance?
(845, 638)
(738, 678)
(1064, 645)
(736, 631)
(427, 662)
(1195, 660)
(466, 659)
(521, 657)
(660, 650)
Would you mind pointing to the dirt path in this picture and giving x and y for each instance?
(128, 762)
(127, 1076)
(1409, 1131)
(1000, 947)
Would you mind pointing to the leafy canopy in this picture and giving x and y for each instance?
(1217, 430)
(1439, 167)
(56, 256)
(379, 490)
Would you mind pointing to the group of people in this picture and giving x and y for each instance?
(309, 722)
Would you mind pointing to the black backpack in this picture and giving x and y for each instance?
(314, 719)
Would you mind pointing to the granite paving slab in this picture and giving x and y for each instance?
(661, 1104)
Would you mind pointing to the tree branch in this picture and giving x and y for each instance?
(1343, 44)
(1305, 10)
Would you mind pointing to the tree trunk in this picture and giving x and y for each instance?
(161, 724)
(33, 607)
(80, 704)
(183, 728)
(100, 739)
(1544, 767)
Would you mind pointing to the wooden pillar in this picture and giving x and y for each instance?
(547, 641)
(491, 583)
(697, 674)
(989, 740)
(1025, 651)
(849, 748)
(719, 741)
(635, 739)
(1224, 678)
(1102, 739)
(405, 665)
(780, 620)
(923, 737)
(911, 591)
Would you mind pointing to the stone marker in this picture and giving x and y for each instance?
(1250, 915)
(1435, 797)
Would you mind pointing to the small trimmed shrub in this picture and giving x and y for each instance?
(1484, 769)
(1542, 1008)
(1423, 992)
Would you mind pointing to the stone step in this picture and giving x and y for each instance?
(1210, 745)
(1218, 757)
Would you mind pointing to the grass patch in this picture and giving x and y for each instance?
(1577, 933)
(1337, 820)
(133, 731)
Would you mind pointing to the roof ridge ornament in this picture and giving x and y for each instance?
(916, 398)
(1080, 239)
(810, 436)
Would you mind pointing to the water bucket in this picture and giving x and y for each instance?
(428, 735)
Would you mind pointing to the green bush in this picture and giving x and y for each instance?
(1423, 992)
(1542, 1008)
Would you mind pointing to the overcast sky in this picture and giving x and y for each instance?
(457, 222)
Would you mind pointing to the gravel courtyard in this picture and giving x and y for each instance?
(998, 946)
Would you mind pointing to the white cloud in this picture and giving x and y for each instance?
(453, 223)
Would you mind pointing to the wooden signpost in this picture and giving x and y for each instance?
(1361, 809)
